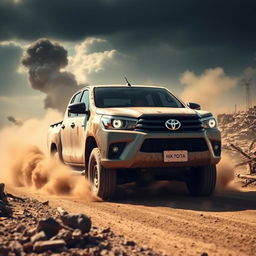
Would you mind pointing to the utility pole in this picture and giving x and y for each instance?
(247, 84)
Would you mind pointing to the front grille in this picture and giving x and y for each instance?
(160, 145)
(156, 123)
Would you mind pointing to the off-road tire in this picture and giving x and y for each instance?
(102, 180)
(202, 180)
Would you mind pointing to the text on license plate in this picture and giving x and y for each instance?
(176, 156)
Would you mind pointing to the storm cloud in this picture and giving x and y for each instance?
(180, 23)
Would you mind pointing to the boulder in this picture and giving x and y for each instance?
(50, 245)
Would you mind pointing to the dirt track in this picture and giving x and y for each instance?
(166, 219)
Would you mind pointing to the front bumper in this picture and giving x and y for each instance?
(132, 157)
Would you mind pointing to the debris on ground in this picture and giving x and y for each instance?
(239, 128)
(239, 139)
(34, 228)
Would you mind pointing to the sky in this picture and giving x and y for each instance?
(202, 51)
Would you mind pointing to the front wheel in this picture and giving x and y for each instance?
(202, 180)
(102, 180)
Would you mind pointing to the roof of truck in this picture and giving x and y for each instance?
(123, 85)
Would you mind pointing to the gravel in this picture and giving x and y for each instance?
(34, 228)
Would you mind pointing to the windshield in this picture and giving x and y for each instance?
(111, 97)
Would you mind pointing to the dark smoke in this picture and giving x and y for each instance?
(44, 60)
(14, 120)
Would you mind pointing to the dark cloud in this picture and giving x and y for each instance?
(181, 23)
(44, 60)
(12, 82)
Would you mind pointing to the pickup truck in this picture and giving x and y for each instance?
(123, 133)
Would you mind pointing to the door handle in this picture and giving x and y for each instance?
(63, 126)
(73, 125)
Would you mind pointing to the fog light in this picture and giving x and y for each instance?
(216, 145)
(115, 149)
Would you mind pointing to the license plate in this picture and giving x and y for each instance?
(176, 156)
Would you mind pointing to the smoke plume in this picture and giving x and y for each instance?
(25, 162)
(14, 120)
(44, 60)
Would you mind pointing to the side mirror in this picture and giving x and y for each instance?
(194, 106)
(78, 108)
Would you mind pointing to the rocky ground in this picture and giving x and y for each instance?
(30, 227)
(239, 139)
(239, 129)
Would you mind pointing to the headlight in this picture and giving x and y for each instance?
(118, 123)
(209, 122)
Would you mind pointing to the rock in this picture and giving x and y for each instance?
(130, 243)
(66, 235)
(29, 232)
(45, 203)
(41, 236)
(16, 247)
(51, 245)
(28, 247)
(20, 228)
(77, 233)
(106, 230)
(50, 226)
(77, 221)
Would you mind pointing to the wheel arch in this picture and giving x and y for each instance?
(90, 144)
(56, 146)
(53, 148)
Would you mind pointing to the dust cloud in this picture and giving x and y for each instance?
(207, 88)
(226, 174)
(25, 162)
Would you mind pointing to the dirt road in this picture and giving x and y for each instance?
(166, 219)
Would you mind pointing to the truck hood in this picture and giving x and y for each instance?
(139, 111)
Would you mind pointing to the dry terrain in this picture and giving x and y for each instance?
(165, 218)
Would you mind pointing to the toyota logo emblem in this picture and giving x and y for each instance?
(173, 124)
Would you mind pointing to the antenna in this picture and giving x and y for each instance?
(127, 82)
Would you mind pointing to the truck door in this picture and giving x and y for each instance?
(68, 125)
(78, 134)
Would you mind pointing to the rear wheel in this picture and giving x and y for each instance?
(202, 180)
(55, 155)
(102, 180)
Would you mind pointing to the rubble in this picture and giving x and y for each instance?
(49, 226)
(52, 245)
(239, 138)
(34, 228)
(75, 221)
(238, 128)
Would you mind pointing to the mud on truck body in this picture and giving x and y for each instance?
(121, 134)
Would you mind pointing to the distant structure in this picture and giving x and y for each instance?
(247, 83)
